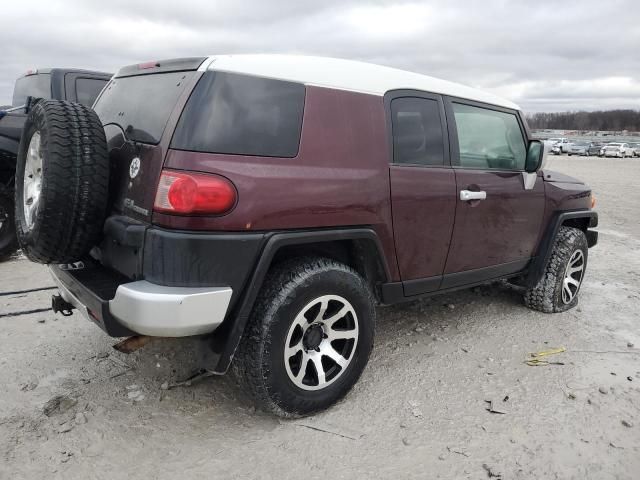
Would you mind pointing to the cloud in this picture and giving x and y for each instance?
(545, 55)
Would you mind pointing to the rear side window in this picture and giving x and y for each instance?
(88, 89)
(243, 115)
(489, 139)
(417, 131)
(38, 86)
(141, 105)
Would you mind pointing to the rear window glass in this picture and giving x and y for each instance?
(243, 115)
(88, 89)
(38, 86)
(417, 131)
(141, 105)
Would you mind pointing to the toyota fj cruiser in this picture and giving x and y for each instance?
(270, 202)
(82, 86)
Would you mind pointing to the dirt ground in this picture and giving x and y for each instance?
(72, 407)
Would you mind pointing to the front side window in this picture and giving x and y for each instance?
(417, 131)
(242, 115)
(489, 139)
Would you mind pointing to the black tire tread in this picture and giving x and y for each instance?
(76, 168)
(542, 297)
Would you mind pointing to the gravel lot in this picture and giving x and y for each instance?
(72, 407)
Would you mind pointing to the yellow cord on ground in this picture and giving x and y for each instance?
(535, 360)
(544, 353)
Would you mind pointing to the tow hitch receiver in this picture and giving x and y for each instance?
(59, 304)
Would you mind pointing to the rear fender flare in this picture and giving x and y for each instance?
(227, 338)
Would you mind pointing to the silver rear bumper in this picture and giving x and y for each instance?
(149, 309)
(160, 311)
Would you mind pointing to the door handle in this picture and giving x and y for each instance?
(467, 195)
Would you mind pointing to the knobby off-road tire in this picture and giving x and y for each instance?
(287, 305)
(568, 260)
(8, 239)
(62, 182)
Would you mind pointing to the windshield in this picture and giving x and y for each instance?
(141, 105)
(38, 86)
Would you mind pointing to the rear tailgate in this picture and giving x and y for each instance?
(136, 108)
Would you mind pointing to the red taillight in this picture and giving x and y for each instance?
(194, 193)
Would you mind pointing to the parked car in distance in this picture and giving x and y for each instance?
(81, 86)
(635, 148)
(602, 147)
(224, 216)
(579, 148)
(619, 150)
(594, 148)
(563, 143)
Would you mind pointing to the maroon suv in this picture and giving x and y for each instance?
(270, 202)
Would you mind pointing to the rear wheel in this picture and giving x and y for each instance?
(558, 288)
(309, 337)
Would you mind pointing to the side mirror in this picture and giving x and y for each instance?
(536, 156)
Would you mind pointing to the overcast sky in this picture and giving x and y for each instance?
(545, 55)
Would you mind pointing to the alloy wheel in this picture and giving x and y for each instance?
(32, 180)
(573, 277)
(321, 342)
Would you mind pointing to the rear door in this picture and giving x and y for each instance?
(423, 189)
(136, 109)
(498, 212)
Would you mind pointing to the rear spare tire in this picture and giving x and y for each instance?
(62, 182)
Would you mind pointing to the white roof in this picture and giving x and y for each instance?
(344, 75)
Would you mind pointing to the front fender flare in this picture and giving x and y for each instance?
(539, 263)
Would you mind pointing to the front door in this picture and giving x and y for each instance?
(423, 190)
(498, 213)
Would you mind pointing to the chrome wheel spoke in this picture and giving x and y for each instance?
(572, 270)
(324, 304)
(317, 363)
(303, 367)
(572, 281)
(293, 351)
(336, 316)
(341, 334)
(330, 352)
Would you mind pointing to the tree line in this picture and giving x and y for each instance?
(608, 120)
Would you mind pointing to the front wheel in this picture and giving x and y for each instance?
(309, 337)
(558, 288)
